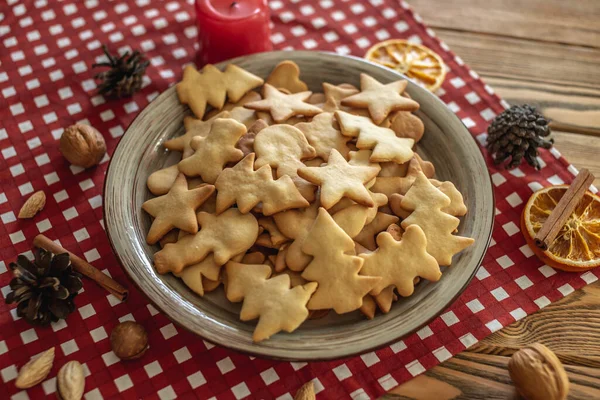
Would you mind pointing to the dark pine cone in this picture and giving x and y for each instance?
(124, 77)
(516, 134)
(45, 288)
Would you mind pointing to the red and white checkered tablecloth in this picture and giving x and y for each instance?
(46, 51)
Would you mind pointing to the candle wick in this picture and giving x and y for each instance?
(233, 4)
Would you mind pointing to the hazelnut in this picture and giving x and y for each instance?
(129, 340)
(82, 145)
(538, 374)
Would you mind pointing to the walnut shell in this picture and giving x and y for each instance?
(82, 145)
(538, 374)
(129, 340)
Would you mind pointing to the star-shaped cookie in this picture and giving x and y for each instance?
(277, 306)
(335, 267)
(398, 263)
(385, 144)
(282, 106)
(323, 134)
(212, 152)
(224, 235)
(339, 179)
(380, 99)
(246, 187)
(176, 209)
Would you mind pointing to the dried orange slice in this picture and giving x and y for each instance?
(413, 60)
(577, 246)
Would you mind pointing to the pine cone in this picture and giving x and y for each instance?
(516, 134)
(124, 77)
(45, 288)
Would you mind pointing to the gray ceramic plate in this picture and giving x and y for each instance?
(446, 143)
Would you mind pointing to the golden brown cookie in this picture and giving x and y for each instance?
(159, 182)
(211, 86)
(390, 185)
(295, 224)
(407, 125)
(283, 147)
(324, 135)
(286, 75)
(176, 209)
(367, 236)
(380, 99)
(213, 152)
(246, 142)
(282, 106)
(193, 127)
(399, 262)
(195, 275)
(237, 110)
(425, 202)
(246, 187)
(276, 306)
(384, 143)
(268, 224)
(334, 267)
(215, 237)
(338, 179)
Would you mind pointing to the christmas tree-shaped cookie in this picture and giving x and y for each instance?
(425, 203)
(335, 267)
(211, 86)
(277, 306)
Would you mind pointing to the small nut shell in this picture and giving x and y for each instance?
(33, 205)
(36, 370)
(306, 392)
(70, 381)
(82, 145)
(129, 340)
(538, 374)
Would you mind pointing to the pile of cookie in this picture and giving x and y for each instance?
(300, 202)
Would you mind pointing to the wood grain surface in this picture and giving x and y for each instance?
(546, 53)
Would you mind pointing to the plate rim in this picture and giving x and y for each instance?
(264, 352)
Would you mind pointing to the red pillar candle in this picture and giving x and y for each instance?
(228, 29)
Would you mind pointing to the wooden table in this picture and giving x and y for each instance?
(547, 53)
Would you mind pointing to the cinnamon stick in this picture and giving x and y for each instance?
(558, 217)
(84, 268)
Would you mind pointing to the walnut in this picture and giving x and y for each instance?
(129, 340)
(538, 374)
(82, 145)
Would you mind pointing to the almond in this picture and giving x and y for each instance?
(70, 381)
(33, 205)
(36, 370)
(306, 392)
